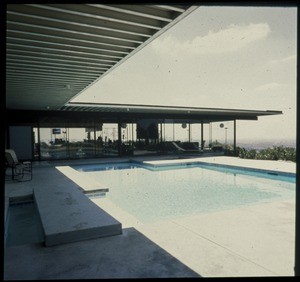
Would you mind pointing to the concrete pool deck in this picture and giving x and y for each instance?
(256, 240)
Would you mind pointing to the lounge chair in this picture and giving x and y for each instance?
(189, 148)
(18, 169)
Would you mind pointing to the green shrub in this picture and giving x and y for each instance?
(251, 154)
(274, 153)
(241, 152)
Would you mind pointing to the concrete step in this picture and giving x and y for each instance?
(86, 184)
(21, 199)
(67, 215)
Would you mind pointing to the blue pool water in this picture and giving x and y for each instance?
(156, 193)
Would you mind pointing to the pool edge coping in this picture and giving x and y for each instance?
(276, 172)
(188, 161)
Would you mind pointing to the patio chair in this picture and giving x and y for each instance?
(18, 169)
(189, 148)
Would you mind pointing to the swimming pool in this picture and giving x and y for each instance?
(152, 193)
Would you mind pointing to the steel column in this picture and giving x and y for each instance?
(234, 137)
(202, 136)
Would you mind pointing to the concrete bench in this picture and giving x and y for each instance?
(67, 215)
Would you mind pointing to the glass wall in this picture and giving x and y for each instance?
(128, 138)
(109, 140)
(148, 137)
(80, 143)
(143, 137)
(173, 138)
(222, 134)
(74, 143)
(176, 137)
(53, 143)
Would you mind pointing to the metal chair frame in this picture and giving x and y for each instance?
(18, 169)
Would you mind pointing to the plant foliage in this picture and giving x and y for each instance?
(274, 153)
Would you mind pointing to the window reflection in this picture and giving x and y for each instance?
(141, 137)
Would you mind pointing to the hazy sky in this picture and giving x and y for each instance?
(222, 57)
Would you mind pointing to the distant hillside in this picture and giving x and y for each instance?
(264, 144)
